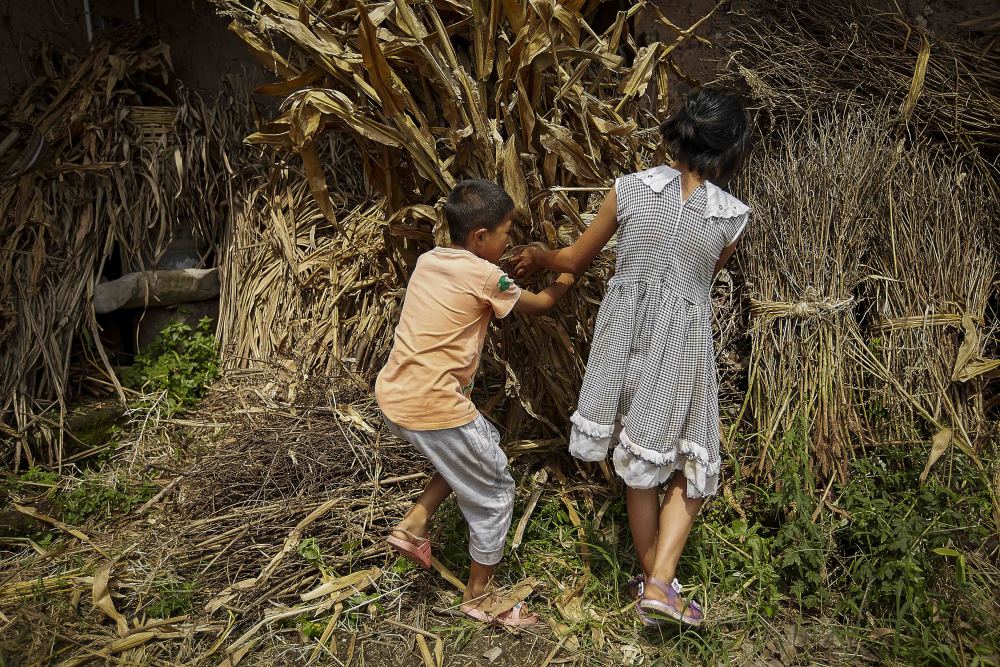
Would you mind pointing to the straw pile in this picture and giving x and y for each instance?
(257, 529)
(793, 54)
(101, 160)
(815, 194)
(936, 271)
(530, 95)
(872, 262)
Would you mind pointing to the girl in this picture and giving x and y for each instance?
(651, 384)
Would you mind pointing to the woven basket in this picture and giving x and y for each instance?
(152, 122)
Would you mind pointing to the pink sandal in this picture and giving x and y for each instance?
(675, 608)
(517, 617)
(418, 551)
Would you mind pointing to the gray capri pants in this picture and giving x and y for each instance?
(471, 461)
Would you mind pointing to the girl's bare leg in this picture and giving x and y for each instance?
(643, 520)
(677, 515)
(419, 515)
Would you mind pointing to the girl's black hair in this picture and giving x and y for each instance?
(710, 133)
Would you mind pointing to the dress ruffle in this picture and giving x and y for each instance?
(642, 468)
(589, 441)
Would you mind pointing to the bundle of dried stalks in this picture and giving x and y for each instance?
(106, 183)
(794, 54)
(529, 94)
(933, 259)
(935, 271)
(292, 282)
(816, 191)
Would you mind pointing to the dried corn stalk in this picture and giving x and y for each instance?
(529, 94)
(105, 184)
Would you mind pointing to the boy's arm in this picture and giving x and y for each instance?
(530, 303)
(575, 258)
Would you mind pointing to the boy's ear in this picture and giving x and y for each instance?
(479, 235)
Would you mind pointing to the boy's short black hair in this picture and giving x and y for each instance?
(476, 204)
(710, 133)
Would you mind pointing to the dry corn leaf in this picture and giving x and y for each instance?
(102, 598)
(356, 581)
(939, 445)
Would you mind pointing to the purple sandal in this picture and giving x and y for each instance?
(675, 608)
(634, 586)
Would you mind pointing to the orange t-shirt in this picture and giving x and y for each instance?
(426, 382)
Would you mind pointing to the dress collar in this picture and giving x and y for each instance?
(718, 202)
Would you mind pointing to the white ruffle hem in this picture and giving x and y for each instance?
(641, 468)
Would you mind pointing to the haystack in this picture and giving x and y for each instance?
(880, 237)
(530, 95)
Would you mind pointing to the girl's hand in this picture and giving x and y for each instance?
(526, 261)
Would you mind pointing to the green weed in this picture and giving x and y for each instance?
(172, 598)
(38, 476)
(308, 628)
(179, 365)
(98, 496)
(310, 551)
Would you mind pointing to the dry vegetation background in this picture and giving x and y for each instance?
(231, 510)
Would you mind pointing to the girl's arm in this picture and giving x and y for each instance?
(575, 258)
(727, 252)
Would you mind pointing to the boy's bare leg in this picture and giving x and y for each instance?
(478, 585)
(643, 520)
(677, 515)
(417, 518)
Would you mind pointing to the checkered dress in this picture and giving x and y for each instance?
(652, 368)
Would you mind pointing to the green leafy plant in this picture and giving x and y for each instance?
(97, 495)
(308, 628)
(309, 550)
(178, 366)
(39, 476)
(173, 598)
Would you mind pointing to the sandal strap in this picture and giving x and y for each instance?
(667, 590)
(416, 539)
(637, 582)
(673, 593)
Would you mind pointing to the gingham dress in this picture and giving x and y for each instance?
(651, 380)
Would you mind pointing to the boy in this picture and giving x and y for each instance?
(423, 390)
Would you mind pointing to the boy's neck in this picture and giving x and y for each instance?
(459, 246)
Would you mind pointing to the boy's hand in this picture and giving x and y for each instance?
(566, 279)
(525, 261)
